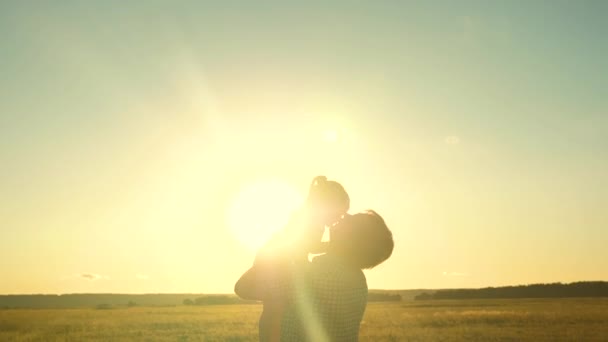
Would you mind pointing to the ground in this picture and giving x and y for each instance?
(455, 320)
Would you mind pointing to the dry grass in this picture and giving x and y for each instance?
(483, 320)
(489, 320)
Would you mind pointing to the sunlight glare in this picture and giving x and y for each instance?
(330, 135)
(260, 209)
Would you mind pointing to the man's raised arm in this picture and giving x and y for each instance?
(270, 271)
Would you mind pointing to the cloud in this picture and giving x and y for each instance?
(92, 276)
(452, 140)
(454, 274)
(142, 276)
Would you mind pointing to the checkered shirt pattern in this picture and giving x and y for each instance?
(326, 301)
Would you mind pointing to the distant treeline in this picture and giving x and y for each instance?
(383, 297)
(106, 301)
(554, 290)
(109, 301)
(213, 300)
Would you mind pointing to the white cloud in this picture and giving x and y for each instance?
(92, 276)
(452, 140)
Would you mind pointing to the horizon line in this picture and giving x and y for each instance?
(232, 293)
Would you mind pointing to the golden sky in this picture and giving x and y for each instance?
(138, 141)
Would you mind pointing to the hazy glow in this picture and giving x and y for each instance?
(330, 136)
(150, 149)
(261, 209)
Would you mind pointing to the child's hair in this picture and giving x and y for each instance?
(330, 193)
(367, 240)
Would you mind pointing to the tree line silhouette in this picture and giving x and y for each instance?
(552, 290)
(214, 300)
(383, 297)
(110, 301)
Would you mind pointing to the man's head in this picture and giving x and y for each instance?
(362, 239)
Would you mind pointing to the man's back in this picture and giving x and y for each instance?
(328, 302)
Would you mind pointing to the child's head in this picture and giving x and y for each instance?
(362, 239)
(328, 200)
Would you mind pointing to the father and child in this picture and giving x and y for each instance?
(324, 299)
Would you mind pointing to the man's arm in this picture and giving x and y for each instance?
(269, 277)
(249, 286)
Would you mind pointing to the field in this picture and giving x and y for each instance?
(455, 320)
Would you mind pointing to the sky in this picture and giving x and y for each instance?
(139, 140)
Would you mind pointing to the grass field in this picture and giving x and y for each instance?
(456, 320)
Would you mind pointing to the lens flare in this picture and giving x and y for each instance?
(260, 209)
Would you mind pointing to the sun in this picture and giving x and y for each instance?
(330, 136)
(260, 209)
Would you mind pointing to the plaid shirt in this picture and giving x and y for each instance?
(326, 300)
